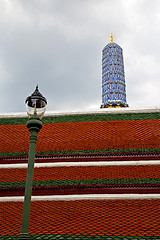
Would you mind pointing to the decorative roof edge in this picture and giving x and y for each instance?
(99, 111)
(82, 164)
(80, 237)
(76, 197)
(92, 188)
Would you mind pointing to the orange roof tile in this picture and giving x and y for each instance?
(102, 217)
(87, 172)
(74, 136)
(99, 135)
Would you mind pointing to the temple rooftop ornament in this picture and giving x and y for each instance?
(112, 38)
(113, 77)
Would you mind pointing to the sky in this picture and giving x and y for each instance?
(58, 44)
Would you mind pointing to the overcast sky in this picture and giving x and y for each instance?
(58, 44)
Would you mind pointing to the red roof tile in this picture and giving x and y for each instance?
(87, 172)
(102, 217)
(100, 135)
(72, 136)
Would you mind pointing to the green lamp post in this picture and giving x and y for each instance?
(36, 106)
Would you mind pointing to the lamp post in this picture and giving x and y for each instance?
(36, 105)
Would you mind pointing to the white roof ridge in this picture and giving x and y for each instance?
(75, 197)
(98, 111)
(83, 164)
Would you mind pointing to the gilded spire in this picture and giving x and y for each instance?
(112, 38)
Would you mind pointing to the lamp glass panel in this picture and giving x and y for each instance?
(35, 107)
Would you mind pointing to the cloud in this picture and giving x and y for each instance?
(58, 44)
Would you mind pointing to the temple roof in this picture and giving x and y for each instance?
(85, 219)
(84, 133)
(83, 161)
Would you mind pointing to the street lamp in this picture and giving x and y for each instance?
(36, 106)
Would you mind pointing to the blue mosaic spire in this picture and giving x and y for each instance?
(113, 77)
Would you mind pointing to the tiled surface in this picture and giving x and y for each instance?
(84, 219)
(83, 136)
(99, 135)
(102, 217)
(83, 173)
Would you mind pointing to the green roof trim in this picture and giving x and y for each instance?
(82, 237)
(13, 121)
(101, 117)
(84, 118)
(127, 150)
(101, 151)
(81, 182)
(13, 154)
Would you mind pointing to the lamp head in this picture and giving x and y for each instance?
(36, 104)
